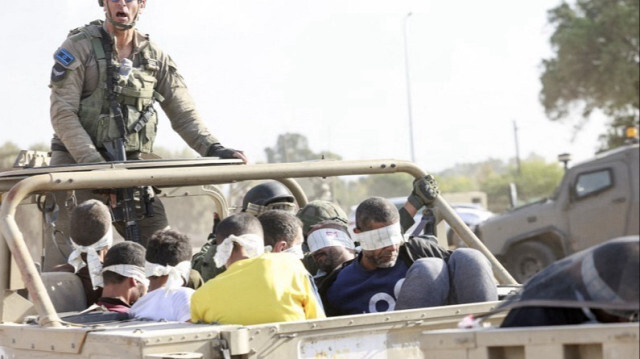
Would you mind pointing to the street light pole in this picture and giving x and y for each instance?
(515, 135)
(408, 80)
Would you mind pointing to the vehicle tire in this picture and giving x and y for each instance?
(528, 258)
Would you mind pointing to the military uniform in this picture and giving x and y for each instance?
(83, 121)
(77, 75)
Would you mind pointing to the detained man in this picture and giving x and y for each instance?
(393, 274)
(257, 287)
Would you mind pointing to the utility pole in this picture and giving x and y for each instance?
(515, 135)
(408, 80)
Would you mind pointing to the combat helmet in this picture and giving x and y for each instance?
(266, 196)
(317, 211)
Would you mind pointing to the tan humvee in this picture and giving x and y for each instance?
(34, 328)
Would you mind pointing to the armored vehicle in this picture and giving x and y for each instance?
(597, 200)
(36, 325)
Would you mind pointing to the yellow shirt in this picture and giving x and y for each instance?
(274, 287)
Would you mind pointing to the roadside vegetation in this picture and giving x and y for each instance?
(535, 179)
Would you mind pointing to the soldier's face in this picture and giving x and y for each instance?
(124, 11)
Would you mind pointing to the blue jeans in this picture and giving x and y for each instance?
(465, 278)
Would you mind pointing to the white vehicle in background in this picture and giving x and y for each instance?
(472, 215)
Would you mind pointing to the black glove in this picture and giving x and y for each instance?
(425, 191)
(217, 150)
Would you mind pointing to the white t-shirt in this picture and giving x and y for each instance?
(162, 304)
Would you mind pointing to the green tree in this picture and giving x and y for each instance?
(294, 147)
(616, 134)
(464, 177)
(596, 63)
(456, 184)
(537, 179)
(387, 185)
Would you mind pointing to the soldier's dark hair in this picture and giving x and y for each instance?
(238, 224)
(168, 247)
(375, 210)
(122, 253)
(279, 226)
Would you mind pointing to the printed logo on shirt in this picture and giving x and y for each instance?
(384, 302)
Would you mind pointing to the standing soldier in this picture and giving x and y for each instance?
(104, 83)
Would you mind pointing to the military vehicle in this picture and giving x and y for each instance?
(36, 325)
(597, 200)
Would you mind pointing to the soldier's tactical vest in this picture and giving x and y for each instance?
(135, 95)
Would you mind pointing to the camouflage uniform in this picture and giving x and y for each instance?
(203, 263)
(81, 118)
(75, 78)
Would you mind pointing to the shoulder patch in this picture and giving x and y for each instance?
(58, 73)
(64, 57)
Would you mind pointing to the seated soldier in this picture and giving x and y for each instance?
(282, 232)
(257, 287)
(317, 211)
(267, 196)
(313, 213)
(123, 276)
(167, 267)
(91, 236)
(391, 274)
(331, 247)
(261, 198)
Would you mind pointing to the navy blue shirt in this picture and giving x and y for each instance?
(357, 290)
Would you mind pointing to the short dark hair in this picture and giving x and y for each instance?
(237, 225)
(168, 247)
(89, 221)
(122, 253)
(279, 226)
(375, 210)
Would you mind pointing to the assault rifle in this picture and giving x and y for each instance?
(122, 201)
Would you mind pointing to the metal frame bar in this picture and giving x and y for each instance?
(122, 177)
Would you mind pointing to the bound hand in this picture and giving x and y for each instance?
(425, 191)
